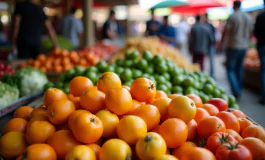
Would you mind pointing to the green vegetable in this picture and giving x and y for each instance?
(8, 94)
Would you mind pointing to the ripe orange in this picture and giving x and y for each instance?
(230, 120)
(200, 114)
(192, 130)
(143, 90)
(182, 107)
(96, 148)
(174, 131)
(16, 125)
(160, 94)
(150, 114)
(92, 100)
(211, 109)
(81, 152)
(162, 105)
(107, 81)
(115, 149)
(131, 128)
(62, 142)
(23, 112)
(196, 99)
(12, 144)
(199, 153)
(254, 131)
(87, 128)
(109, 121)
(39, 132)
(53, 94)
(79, 85)
(210, 125)
(118, 101)
(179, 151)
(150, 146)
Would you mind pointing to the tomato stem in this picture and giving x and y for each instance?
(152, 86)
(148, 140)
(128, 157)
(92, 120)
(52, 113)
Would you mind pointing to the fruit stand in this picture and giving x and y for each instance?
(144, 103)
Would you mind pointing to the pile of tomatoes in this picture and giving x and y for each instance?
(6, 69)
(62, 60)
(114, 122)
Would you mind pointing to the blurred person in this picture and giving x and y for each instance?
(28, 20)
(167, 32)
(152, 26)
(110, 28)
(183, 30)
(72, 28)
(238, 32)
(260, 35)
(199, 41)
(212, 50)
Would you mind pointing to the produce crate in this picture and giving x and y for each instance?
(252, 79)
(20, 102)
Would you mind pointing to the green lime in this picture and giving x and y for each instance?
(208, 88)
(102, 66)
(59, 85)
(188, 82)
(152, 78)
(149, 70)
(169, 85)
(93, 69)
(66, 90)
(217, 93)
(177, 89)
(231, 100)
(158, 59)
(48, 85)
(204, 97)
(142, 64)
(189, 90)
(160, 80)
(119, 70)
(136, 73)
(132, 55)
(161, 68)
(197, 85)
(178, 80)
(110, 69)
(128, 63)
(167, 76)
(147, 55)
(120, 62)
(222, 90)
(79, 71)
(92, 76)
(145, 75)
(70, 74)
(211, 81)
(235, 106)
(128, 83)
(162, 87)
(126, 75)
(225, 97)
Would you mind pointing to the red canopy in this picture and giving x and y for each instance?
(199, 6)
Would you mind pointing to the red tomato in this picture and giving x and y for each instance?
(218, 139)
(233, 152)
(221, 104)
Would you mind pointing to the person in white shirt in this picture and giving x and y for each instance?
(183, 30)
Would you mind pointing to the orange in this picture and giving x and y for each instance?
(166, 157)
(237, 113)
(87, 128)
(174, 131)
(96, 148)
(107, 81)
(150, 146)
(23, 112)
(62, 142)
(182, 107)
(210, 125)
(39, 132)
(109, 121)
(192, 130)
(255, 146)
(115, 149)
(244, 123)
(92, 100)
(79, 85)
(162, 105)
(179, 151)
(254, 131)
(196, 99)
(39, 151)
(200, 114)
(160, 94)
(53, 94)
(12, 144)
(234, 134)
(118, 101)
(131, 128)
(150, 114)
(59, 111)
(230, 120)
(198, 153)
(143, 90)
(73, 116)
(81, 152)
(16, 125)
(211, 109)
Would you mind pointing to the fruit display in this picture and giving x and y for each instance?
(109, 121)
(252, 59)
(27, 80)
(154, 45)
(165, 74)
(6, 69)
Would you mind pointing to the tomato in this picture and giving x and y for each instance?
(234, 134)
(81, 152)
(237, 113)
(218, 139)
(244, 123)
(198, 153)
(150, 146)
(255, 146)
(192, 129)
(107, 81)
(233, 152)
(254, 131)
(177, 152)
(53, 94)
(16, 125)
(23, 112)
(210, 125)
(200, 114)
(79, 85)
(230, 120)
(221, 104)
(197, 100)
(166, 157)
(211, 109)
(162, 105)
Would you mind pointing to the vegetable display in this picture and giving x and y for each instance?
(8, 94)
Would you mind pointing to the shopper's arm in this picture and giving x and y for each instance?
(52, 33)
(15, 32)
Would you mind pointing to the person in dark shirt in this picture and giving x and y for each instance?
(260, 35)
(28, 21)
(168, 32)
(152, 26)
(110, 28)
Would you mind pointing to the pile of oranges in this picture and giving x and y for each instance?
(114, 122)
(62, 60)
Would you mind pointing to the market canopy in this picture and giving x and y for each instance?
(169, 3)
(198, 6)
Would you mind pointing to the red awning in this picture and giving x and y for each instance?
(199, 6)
